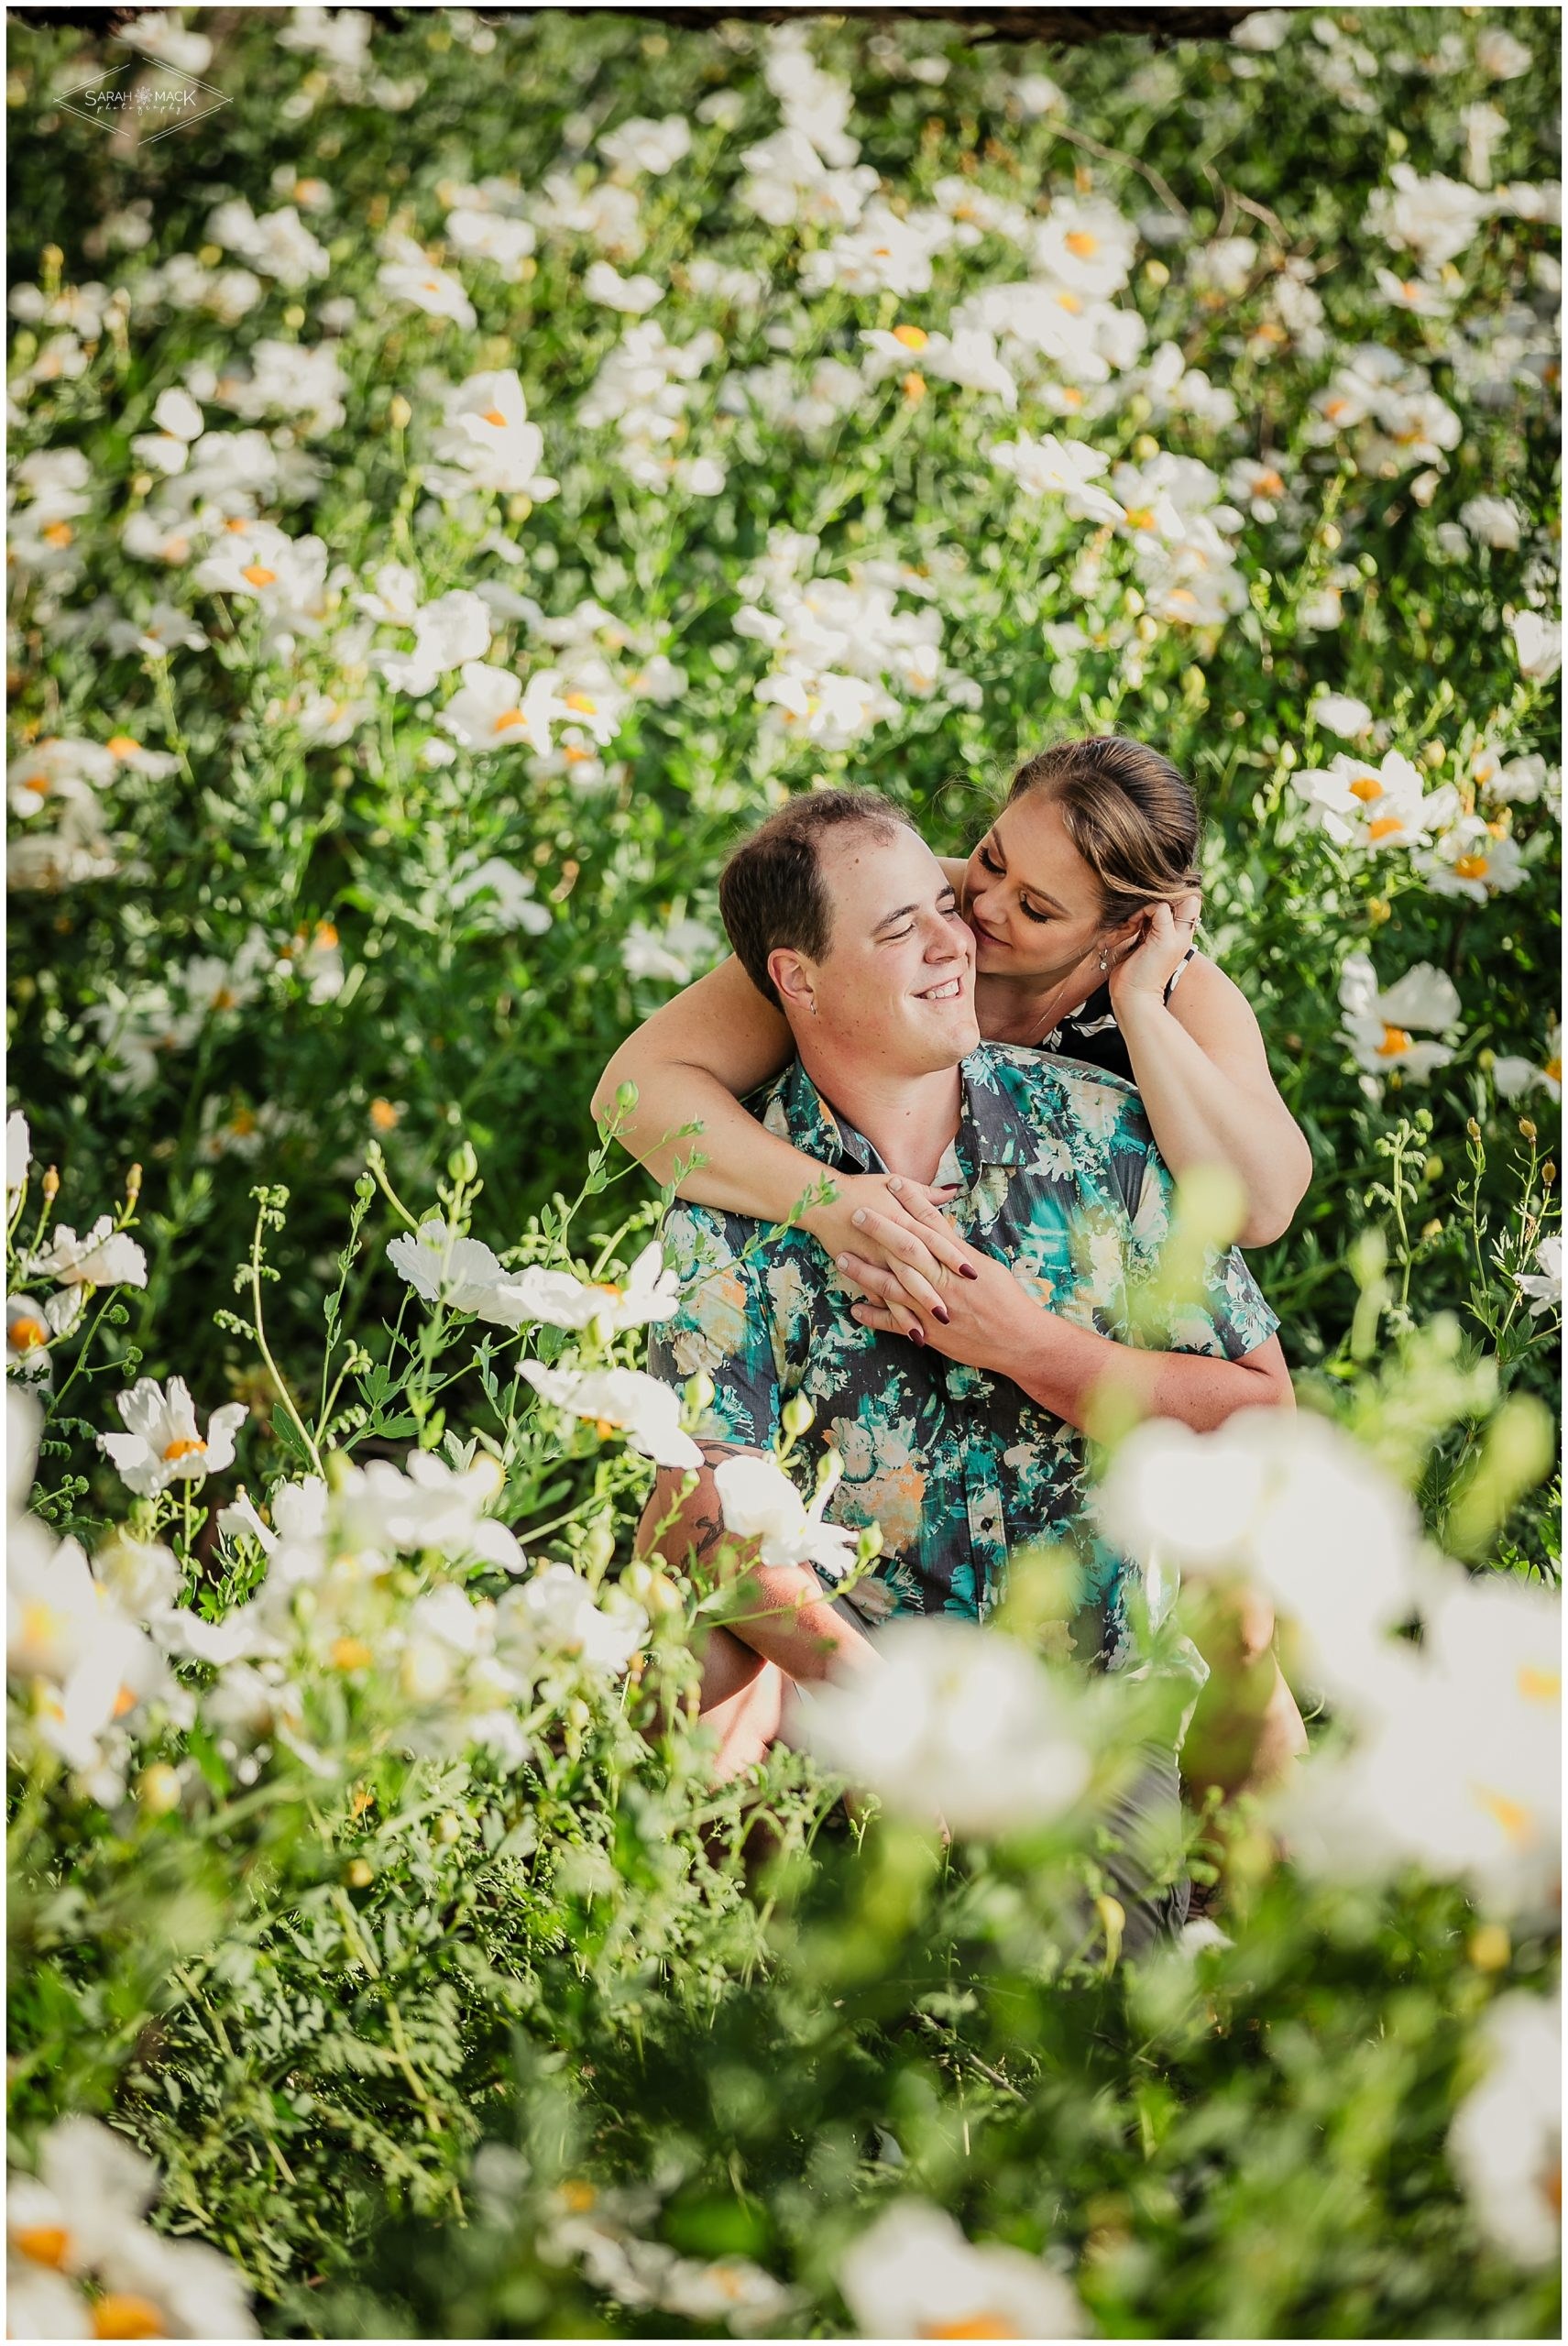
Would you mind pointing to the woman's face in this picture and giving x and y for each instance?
(1033, 903)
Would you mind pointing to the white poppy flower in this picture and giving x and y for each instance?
(1473, 859)
(912, 2273)
(1506, 2141)
(494, 711)
(488, 440)
(958, 1722)
(18, 1154)
(1543, 1286)
(409, 276)
(1065, 469)
(633, 296)
(102, 1256)
(556, 1611)
(1539, 643)
(514, 905)
(455, 628)
(621, 1400)
(761, 1503)
(162, 1444)
(431, 1505)
(488, 235)
(461, 1273)
(1375, 809)
(1378, 1022)
(1341, 713)
(1493, 522)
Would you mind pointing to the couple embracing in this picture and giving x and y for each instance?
(957, 1047)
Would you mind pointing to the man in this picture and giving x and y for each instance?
(969, 1441)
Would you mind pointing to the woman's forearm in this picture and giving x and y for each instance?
(1067, 1369)
(742, 1168)
(1201, 1115)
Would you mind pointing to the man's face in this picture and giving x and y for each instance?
(895, 988)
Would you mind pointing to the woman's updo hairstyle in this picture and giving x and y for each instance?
(1129, 813)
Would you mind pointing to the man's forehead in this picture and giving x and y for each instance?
(862, 862)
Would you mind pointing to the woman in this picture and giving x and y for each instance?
(1083, 898)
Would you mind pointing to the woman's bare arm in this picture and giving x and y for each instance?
(691, 1063)
(1203, 1075)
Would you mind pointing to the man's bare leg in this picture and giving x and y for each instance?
(741, 1698)
(1248, 1729)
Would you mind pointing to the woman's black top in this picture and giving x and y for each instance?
(1090, 1033)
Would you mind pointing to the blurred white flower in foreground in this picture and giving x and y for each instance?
(1380, 1023)
(761, 1503)
(80, 2219)
(556, 1611)
(676, 955)
(1064, 468)
(431, 1505)
(619, 1400)
(1543, 1286)
(1513, 1076)
(19, 1155)
(1539, 643)
(956, 1721)
(163, 1443)
(913, 2274)
(495, 711)
(1341, 714)
(1506, 2142)
(514, 902)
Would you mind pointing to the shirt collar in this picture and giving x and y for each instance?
(993, 1128)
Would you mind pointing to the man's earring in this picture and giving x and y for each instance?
(814, 1005)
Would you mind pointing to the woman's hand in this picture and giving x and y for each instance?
(893, 1224)
(985, 1315)
(1150, 963)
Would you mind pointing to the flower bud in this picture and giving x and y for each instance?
(798, 1416)
(1527, 1128)
(1433, 1229)
(51, 1185)
(399, 412)
(598, 1547)
(1156, 274)
(1490, 1947)
(1434, 754)
(1331, 538)
(1548, 1175)
(359, 1873)
(1378, 910)
(158, 1789)
(133, 1185)
(448, 1828)
(1473, 1128)
(700, 1390)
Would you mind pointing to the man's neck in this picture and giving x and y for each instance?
(909, 1119)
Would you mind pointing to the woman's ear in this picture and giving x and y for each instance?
(794, 980)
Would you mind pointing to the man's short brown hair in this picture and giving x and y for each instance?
(771, 892)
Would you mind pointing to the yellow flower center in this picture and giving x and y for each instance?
(913, 388)
(493, 415)
(1384, 828)
(45, 2243)
(1552, 1070)
(573, 752)
(222, 999)
(120, 2316)
(325, 936)
(1335, 409)
(912, 337)
(255, 574)
(1395, 1041)
(25, 1334)
(125, 1702)
(59, 534)
(39, 785)
(350, 1653)
(1069, 302)
(1517, 1824)
(183, 1448)
(1070, 396)
(580, 2197)
(124, 745)
(1540, 1685)
(973, 2325)
(1268, 485)
(1472, 867)
(243, 1124)
(507, 719)
(1366, 788)
(383, 1115)
(1082, 243)
(605, 1426)
(583, 701)
(1140, 517)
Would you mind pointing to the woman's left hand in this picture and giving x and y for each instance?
(1150, 963)
(982, 1311)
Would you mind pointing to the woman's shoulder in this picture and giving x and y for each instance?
(1206, 999)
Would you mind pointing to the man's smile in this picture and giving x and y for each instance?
(946, 992)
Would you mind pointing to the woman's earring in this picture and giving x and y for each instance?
(1105, 962)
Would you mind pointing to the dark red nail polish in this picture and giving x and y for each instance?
(966, 1271)
(940, 1312)
(917, 1335)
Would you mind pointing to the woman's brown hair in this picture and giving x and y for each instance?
(1129, 813)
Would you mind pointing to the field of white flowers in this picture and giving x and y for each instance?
(459, 483)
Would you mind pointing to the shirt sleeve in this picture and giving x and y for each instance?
(1183, 1299)
(721, 1326)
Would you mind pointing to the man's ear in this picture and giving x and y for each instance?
(793, 979)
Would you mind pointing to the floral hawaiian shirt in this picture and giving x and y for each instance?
(1059, 1179)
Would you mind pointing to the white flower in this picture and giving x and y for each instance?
(641, 145)
(1065, 469)
(1434, 217)
(409, 276)
(761, 1503)
(487, 441)
(556, 1611)
(958, 1722)
(684, 947)
(650, 1292)
(1539, 643)
(490, 235)
(1376, 808)
(452, 629)
(460, 1272)
(1289, 1504)
(19, 1155)
(494, 711)
(103, 1256)
(1378, 1024)
(162, 1444)
(1341, 714)
(1514, 1077)
(1506, 2141)
(515, 904)
(1493, 522)
(1543, 1286)
(633, 296)
(1498, 54)
(431, 1505)
(619, 1400)
(912, 2273)
(1264, 30)
(1473, 859)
